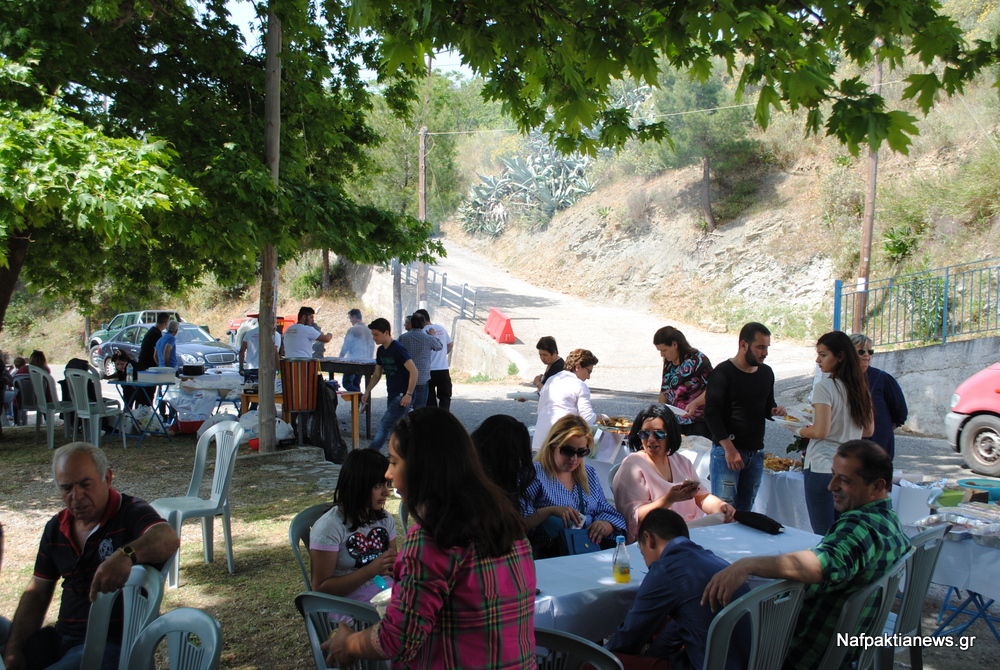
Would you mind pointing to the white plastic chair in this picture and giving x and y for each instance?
(141, 598)
(773, 610)
(611, 478)
(881, 592)
(298, 533)
(183, 653)
(569, 652)
(91, 413)
(316, 609)
(42, 381)
(404, 517)
(25, 395)
(227, 436)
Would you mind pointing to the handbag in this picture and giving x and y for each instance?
(576, 540)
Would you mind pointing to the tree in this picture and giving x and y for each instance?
(716, 137)
(74, 190)
(551, 62)
(137, 68)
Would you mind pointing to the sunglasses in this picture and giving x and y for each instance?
(570, 452)
(862, 352)
(655, 434)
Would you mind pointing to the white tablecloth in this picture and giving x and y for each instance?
(782, 497)
(578, 594)
(967, 565)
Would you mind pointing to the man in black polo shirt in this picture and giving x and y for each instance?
(92, 545)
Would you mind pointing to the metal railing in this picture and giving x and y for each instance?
(932, 306)
(461, 297)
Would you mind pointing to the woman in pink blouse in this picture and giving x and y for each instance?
(464, 595)
(657, 476)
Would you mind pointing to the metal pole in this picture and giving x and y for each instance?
(838, 288)
(944, 308)
(422, 214)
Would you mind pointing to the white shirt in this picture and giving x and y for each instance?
(299, 340)
(252, 338)
(564, 393)
(820, 453)
(358, 344)
(439, 359)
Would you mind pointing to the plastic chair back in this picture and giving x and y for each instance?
(611, 477)
(84, 384)
(298, 532)
(564, 651)
(773, 610)
(404, 517)
(178, 626)
(879, 593)
(25, 389)
(141, 597)
(316, 609)
(919, 570)
(227, 436)
(45, 388)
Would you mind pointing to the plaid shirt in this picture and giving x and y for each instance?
(454, 609)
(861, 546)
(420, 345)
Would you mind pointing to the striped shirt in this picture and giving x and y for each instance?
(420, 345)
(454, 609)
(548, 491)
(862, 545)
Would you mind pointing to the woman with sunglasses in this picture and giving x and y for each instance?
(887, 398)
(567, 492)
(655, 476)
(565, 393)
(842, 411)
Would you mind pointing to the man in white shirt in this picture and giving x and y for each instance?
(250, 348)
(439, 385)
(358, 346)
(299, 337)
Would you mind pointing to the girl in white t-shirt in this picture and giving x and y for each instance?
(842, 411)
(356, 539)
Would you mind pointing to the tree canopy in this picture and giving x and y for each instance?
(551, 62)
(180, 72)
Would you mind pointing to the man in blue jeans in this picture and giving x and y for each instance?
(740, 397)
(394, 361)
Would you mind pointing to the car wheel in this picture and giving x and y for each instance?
(980, 441)
(95, 356)
(109, 367)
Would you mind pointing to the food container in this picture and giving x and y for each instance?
(157, 376)
(193, 370)
(960, 525)
(991, 486)
(988, 535)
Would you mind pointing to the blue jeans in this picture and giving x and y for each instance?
(419, 396)
(736, 487)
(393, 413)
(351, 383)
(819, 501)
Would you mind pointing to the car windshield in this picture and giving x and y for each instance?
(190, 334)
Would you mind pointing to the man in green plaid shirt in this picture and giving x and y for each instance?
(865, 541)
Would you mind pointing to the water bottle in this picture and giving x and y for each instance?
(620, 566)
(129, 373)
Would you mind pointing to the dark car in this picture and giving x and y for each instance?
(123, 320)
(194, 347)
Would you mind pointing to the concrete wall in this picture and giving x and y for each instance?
(929, 376)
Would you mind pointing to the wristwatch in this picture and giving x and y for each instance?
(130, 552)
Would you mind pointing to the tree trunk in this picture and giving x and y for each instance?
(706, 194)
(17, 249)
(269, 254)
(326, 270)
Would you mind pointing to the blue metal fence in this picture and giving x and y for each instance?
(932, 306)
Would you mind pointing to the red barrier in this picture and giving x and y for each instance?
(498, 327)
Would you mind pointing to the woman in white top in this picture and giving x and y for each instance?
(842, 411)
(565, 393)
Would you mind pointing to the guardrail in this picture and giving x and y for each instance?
(461, 297)
(932, 306)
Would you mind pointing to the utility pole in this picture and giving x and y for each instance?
(269, 254)
(868, 221)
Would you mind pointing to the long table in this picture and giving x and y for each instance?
(578, 595)
(344, 366)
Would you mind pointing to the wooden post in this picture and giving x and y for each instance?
(868, 222)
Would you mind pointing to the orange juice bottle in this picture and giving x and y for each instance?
(620, 566)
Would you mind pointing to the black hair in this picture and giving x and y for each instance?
(424, 313)
(668, 335)
(547, 343)
(874, 460)
(162, 318)
(665, 524)
(363, 470)
(447, 490)
(306, 311)
(417, 321)
(504, 448)
(670, 425)
(355, 312)
(848, 371)
(381, 325)
(748, 333)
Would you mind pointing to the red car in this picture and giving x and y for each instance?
(973, 424)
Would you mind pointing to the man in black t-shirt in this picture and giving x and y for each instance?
(92, 545)
(147, 351)
(740, 397)
(393, 360)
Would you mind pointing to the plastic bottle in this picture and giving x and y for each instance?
(129, 373)
(620, 565)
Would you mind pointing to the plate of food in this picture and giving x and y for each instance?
(523, 395)
(615, 424)
(790, 422)
(774, 464)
